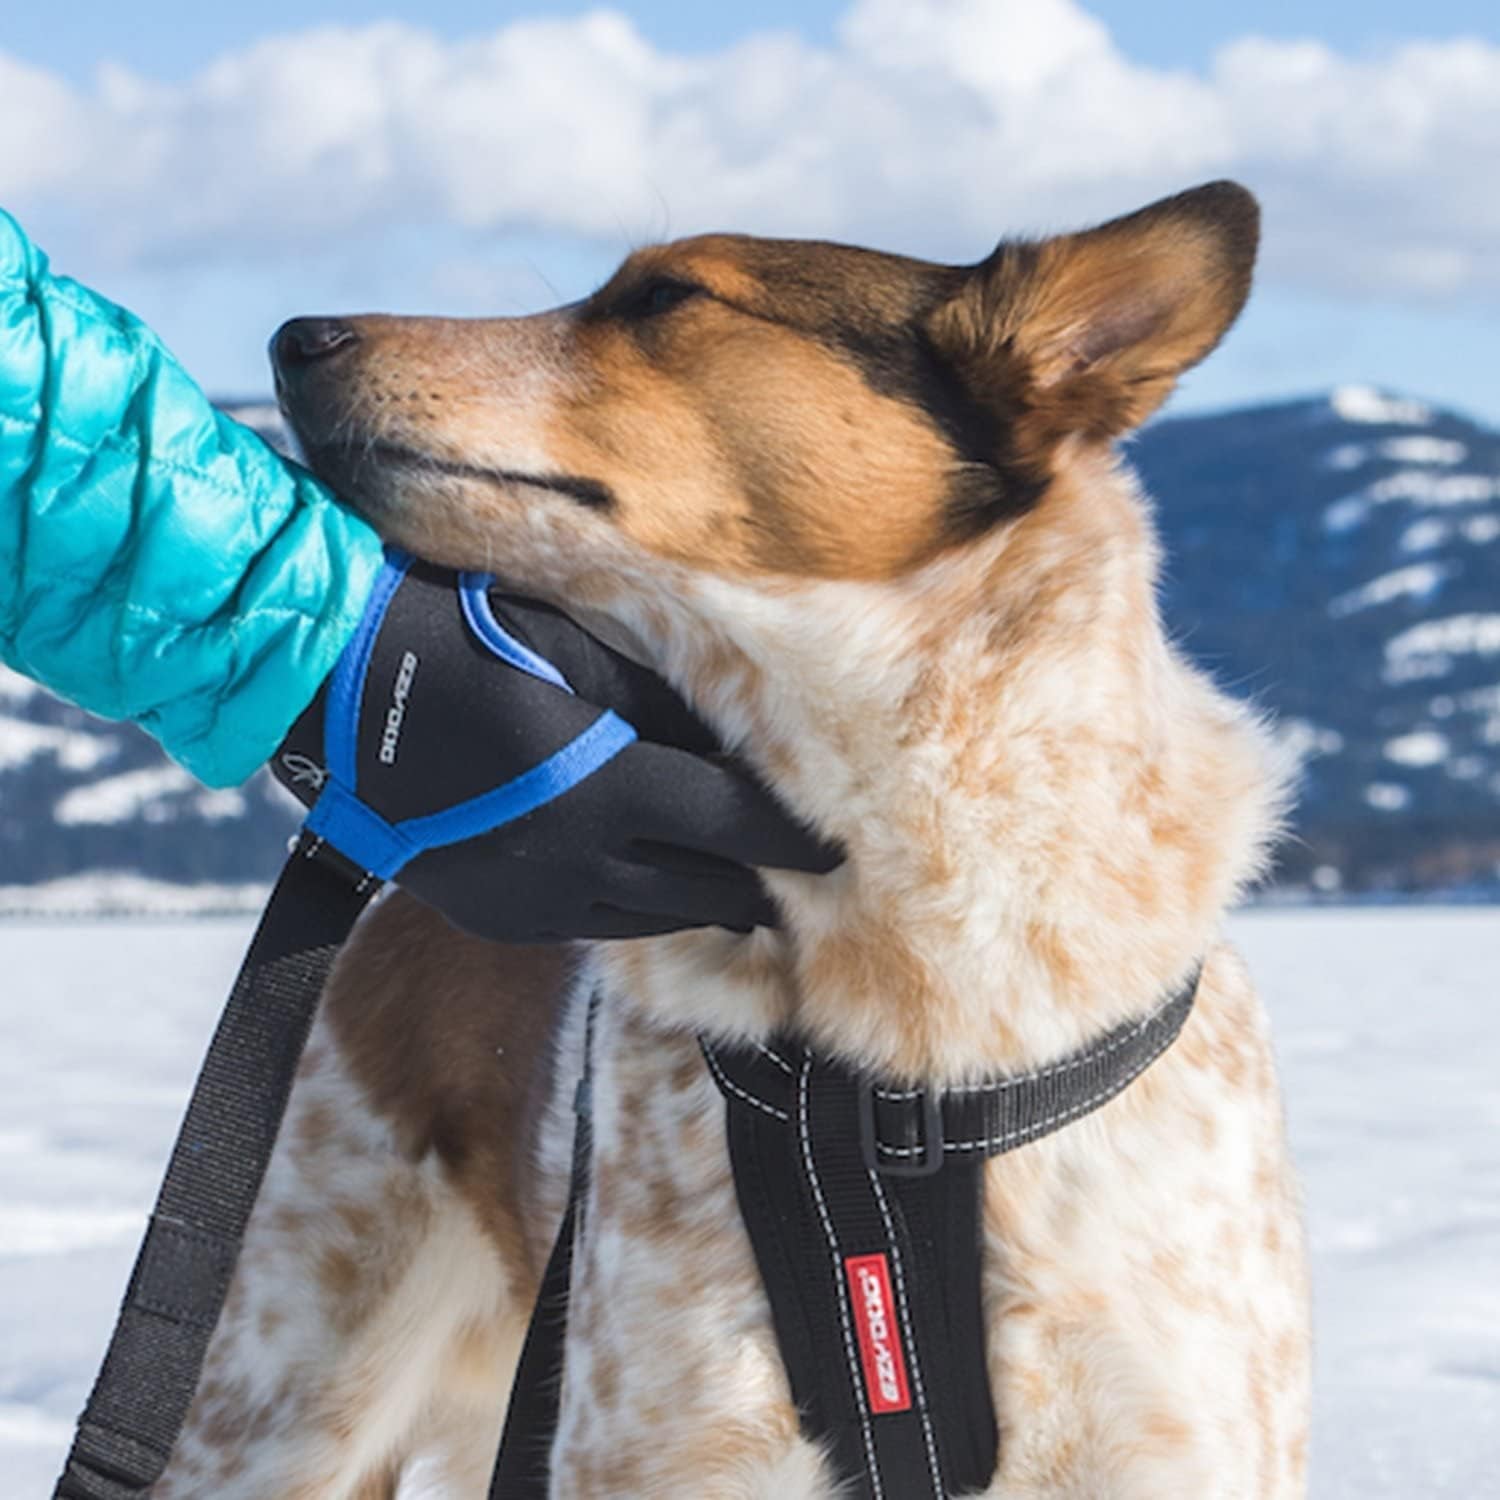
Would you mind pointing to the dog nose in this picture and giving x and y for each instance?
(300, 341)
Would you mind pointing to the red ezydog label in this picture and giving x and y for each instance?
(879, 1333)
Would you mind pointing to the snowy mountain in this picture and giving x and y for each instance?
(94, 818)
(1338, 558)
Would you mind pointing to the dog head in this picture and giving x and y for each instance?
(850, 503)
(764, 409)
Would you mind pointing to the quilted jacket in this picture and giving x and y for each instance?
(158, 561)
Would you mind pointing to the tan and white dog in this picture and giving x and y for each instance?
(865, 512)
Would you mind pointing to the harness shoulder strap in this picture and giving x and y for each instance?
(183, 1269)
(863, 1205)
(874, 1290)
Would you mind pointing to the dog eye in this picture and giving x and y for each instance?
(658, 297)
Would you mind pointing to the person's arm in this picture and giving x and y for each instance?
(159, 562)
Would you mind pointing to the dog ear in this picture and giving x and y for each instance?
(1087, 333)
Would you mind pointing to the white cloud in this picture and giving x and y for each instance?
(42, 130)
(931, 125)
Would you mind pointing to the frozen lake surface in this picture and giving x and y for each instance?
(1388, 1028)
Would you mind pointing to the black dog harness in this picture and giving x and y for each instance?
(863, 1204)
(862, 1201)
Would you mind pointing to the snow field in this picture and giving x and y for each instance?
(1389, 1036)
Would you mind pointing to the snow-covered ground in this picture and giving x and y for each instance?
(1389, 1031)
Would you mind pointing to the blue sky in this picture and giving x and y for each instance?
(1369, 155)
(170, 39)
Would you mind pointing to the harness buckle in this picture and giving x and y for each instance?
(926, 1158)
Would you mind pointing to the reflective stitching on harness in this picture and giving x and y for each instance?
(851, 1356)
(1034, 1127)
(928, 1441)
(896, 1096)
(726, 1082)
(773, 1056)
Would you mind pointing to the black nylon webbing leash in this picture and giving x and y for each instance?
(176, 1293)
(182, 1271)
(523, 1467)
(175, 1296)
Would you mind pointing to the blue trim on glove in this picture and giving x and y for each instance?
(560, 772)
(346, 688)
(362, 835)
(383, 848)
(473, 593)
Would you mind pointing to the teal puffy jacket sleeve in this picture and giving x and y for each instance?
(158, 561)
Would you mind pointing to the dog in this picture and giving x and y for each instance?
(866, 513)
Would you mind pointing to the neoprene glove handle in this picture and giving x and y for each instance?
(534, 785)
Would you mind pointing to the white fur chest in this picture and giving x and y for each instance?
(673, 1382)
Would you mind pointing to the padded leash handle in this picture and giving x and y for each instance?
(347, 814)
(151, 1370)
(176, 1294)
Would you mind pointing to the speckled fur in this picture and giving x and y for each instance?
(1046, 812)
